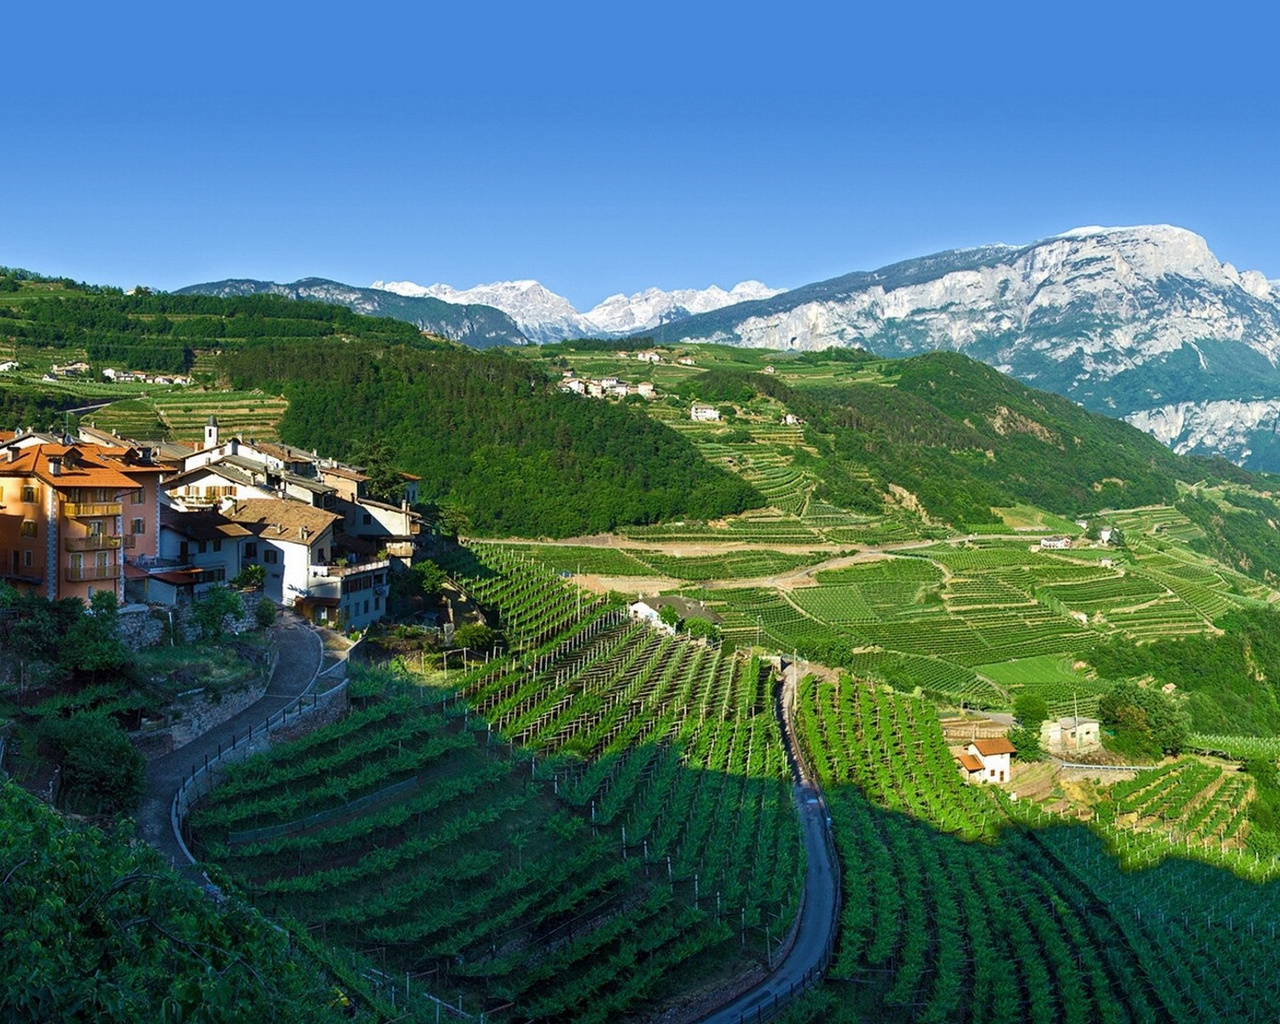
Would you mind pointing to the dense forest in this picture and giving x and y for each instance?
(488, 433)
(962, 438)
(160, 332)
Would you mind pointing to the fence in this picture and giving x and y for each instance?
(204, 776)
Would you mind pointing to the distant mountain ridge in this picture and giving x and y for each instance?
(1139, 322)
(546, 317)
(474, 325)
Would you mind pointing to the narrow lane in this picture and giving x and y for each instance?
(301, 657)
(820, 900)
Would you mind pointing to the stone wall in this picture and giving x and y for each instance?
(143, 625)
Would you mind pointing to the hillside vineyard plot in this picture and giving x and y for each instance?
(572, 834)
(965, 916)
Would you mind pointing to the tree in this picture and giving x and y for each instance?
(251, 577)
(101, 769)
(474, 636)
(668, 616)
(377, 460)
(210, 613)
(1145, 720)
(1030, 710)
(699, 628)
(93, 644)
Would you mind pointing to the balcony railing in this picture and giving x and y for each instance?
(80, 509)
(79, 574)
(332, 571)
(101, 542)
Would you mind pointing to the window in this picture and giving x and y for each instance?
(217, 545)
(27, 560)
(203, 546)
(366, 607)
(28, 528)
(139, 496)
(251, 549)
(29, 494)
(137, 526)
(377, 604)
(271, 556)
(366, 519)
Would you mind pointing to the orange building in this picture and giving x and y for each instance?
(71, 514)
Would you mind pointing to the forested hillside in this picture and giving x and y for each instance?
(489, 434)
(962, 438)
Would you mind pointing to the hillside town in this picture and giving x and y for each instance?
(162, 523)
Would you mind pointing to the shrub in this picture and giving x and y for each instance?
(101, 769)
(265, 614)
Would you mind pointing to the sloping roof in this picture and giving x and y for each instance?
(685, 607)
(201, 525)
(998, 745)
(344, 472)
(81, 465)
(230, 473)
(968, 762)
(280, 519)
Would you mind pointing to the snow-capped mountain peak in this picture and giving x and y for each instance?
(547, 317)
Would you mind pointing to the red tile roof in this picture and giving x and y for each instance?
(968, 762)
(999, 745)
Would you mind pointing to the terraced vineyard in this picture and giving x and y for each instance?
(1189, 801)
(1034, 924)
(181, 415)
(572, 834)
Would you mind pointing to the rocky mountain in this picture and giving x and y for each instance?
(1140, 322)
(546, 317)
(472, 324)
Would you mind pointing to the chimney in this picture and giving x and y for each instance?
(13, 454)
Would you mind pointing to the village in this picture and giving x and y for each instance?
(163, 523)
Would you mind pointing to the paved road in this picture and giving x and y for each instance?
(301, 656)
(818, 919)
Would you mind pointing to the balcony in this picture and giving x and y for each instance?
(101, 542)
(82, 510)
(88, 573)
(338, 571)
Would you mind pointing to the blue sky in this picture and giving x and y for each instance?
(605, 148)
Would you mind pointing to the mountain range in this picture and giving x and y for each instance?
(477, 326)
(546, 317)
(1144, 323)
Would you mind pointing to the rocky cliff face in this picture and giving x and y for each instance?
(1129, 321)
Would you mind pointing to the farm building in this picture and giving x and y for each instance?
(1071, 734)
(1055, 543)
(703, 413)
(649, 609)
(986, 761)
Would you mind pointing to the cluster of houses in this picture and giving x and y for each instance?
(604, 387)
(163, 523)
(137, 377)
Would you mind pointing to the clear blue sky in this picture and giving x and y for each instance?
(608, 148)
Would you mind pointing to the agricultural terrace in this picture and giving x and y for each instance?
(975, 623)
(964, 914)
(578, 832)
(181, 415)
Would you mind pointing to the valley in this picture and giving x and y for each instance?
(691, 630)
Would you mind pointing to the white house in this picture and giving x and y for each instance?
(289, 537)
(6, 367)
(1105, 534)
(704, 413)
(1055, 543)
(986, 761)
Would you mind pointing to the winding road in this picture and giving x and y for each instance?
(820, 901)
(301, 657)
